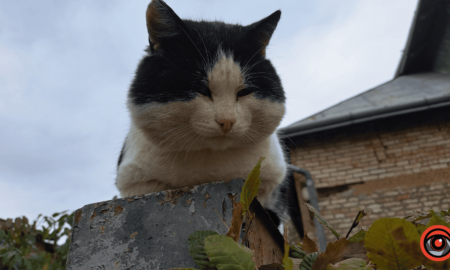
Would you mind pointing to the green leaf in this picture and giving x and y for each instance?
(358, 237)
(322, 221)
(297, 252)
(350, 264)
(437, 219)
(383, 240)
(196, 245)
(287, 262)
(308, 261)
(226, 254)
(251, 186)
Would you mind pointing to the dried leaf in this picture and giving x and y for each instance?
(226, 254)
(322, 221)
(287, 262)
(251, 187)
(196, 245)
(236, 222)
(338, 251)
(308, 245)
(308, 261)
(382, 242)
(350, 264)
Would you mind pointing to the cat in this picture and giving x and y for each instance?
(205, 103)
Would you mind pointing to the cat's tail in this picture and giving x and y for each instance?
(286, 202)
(291, 200)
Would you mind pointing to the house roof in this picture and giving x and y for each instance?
(422, 80)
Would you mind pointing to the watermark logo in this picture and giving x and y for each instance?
(435, 243)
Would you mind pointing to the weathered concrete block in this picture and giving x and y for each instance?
(150, 231)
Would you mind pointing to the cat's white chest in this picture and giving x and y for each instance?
(143, 162)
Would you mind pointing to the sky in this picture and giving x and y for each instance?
(65, 68)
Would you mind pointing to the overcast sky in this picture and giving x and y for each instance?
(65, 67)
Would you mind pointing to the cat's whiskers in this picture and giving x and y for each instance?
(253, 56)
(297, 156)
(164, 150)
(252, 77)
(261, 127)
(179, 126)
(248, 68)
(181, 148)
(206, 50)
(244, 139)
(187, 151)
(185, 128)
(194, 45)
(258, 138)
(279, 132)
(256, 143)
(257, 133)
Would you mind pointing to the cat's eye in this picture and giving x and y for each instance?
(204, 90)
(244, 92)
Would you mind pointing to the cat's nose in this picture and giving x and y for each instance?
(226, 124)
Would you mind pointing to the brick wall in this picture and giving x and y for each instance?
(340, 209)
(388, 166)
(356, 156)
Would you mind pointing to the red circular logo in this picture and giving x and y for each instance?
(435, 243)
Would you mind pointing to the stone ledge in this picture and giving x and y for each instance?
(149, 231)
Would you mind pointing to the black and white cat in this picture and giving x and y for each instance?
(205, 103)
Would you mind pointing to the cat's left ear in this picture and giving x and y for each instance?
(262, 30)
(162, 24)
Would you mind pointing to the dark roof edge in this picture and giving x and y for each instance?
(351, 119)
(401, 64)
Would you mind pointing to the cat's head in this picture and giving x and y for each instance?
(206, 84)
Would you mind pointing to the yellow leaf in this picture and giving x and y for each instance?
(251, 187)
(287, 262)
(385, 242)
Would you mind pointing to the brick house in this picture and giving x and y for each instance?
(386, 150)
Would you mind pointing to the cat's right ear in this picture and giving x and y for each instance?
(162, 24)
(262, 30)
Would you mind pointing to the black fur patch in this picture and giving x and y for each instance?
(122, 154)
(179, 66)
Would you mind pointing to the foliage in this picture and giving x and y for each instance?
(287, 261)
(251, 187)
(390, 243)
(322, 220)
(196, 244)
(26, 246)
(226, 254)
